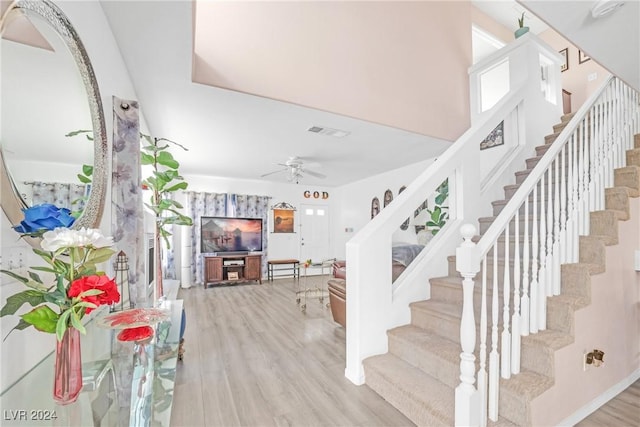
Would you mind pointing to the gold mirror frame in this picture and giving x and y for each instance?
(10, 199)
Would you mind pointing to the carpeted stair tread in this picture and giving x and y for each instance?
(549, 338)
(406, 388)
(575, 301)
(526, 384)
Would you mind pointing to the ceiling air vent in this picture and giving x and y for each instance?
(336, 133)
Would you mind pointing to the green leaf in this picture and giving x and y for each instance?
(90, 293)
(176, 187)
(87, 170)
(22, 325)
(42, 318)
(146, 159)
(15, 276)
(35, 277)
(15, 301)
(78, 132)
(100, 255)
(83, 179)
(61, 325)
(76, 323)
(166, 159)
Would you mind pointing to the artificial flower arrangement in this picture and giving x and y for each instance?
(71, 257)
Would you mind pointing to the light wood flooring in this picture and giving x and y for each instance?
(254, 359)
(621, 411)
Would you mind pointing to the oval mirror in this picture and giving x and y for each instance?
(47, 84)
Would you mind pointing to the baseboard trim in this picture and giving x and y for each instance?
(596, 403)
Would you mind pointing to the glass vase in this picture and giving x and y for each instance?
(67, 381)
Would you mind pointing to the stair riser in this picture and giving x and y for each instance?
(560, 317)
(413, 410)
(576, 280)
(514, 407)
(604, 223)
(628, 177)
(633, 157)
(636, 141)
(445, 371)
(537, 358)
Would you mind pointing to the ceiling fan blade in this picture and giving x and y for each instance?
(313, 173)
(272, 173)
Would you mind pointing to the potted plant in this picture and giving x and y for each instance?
(522, 29)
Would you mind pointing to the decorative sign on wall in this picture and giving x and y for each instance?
(315, 194)
(495, 138)
(283, 217)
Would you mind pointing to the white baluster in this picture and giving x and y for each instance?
(533, 297)
(515, 318)
(549, 258)
(506, 294)
(542, 273)
(589, 130)
(494, 356)
(585, 184)
(524, 304)
(556, 229)
(563, 206)
(482, 373)
(467, 399)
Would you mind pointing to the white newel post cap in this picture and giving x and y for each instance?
(467, 255)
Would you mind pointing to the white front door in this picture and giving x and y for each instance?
(314, 232)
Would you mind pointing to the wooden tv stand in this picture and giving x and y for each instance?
(220, 270)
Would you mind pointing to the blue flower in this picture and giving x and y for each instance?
(44, 217)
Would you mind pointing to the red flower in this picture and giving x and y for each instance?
(135, 334)
(108, 287)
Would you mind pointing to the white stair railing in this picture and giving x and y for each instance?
(559, 193)
(374, 305)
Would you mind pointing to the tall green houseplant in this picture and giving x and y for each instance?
(164, 180)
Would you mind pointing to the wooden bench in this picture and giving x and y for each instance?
(283, 265)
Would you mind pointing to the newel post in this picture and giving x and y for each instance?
(467, 399)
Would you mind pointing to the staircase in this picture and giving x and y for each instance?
(419, 373)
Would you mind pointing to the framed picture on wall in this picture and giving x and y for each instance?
(582, 57)
(564, 66)
(375, 207)
(283, 220)
(495, 138)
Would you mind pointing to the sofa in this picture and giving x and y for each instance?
(338, 293)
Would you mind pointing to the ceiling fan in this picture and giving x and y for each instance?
(294, 169)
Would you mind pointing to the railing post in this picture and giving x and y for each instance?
(467, 399)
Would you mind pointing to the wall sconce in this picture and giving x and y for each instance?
(595, 358)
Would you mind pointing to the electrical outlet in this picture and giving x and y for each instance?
(585, 365)
(591, 77)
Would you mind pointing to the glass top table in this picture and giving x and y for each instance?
(124, 383)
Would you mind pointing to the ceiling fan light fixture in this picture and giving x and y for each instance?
(605, 7)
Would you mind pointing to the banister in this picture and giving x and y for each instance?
(495, 229)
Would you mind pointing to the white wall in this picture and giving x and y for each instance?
(354, 204)
(24, 348)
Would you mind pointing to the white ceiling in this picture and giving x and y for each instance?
(231, 134)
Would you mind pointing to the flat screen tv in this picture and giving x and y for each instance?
(222, 234)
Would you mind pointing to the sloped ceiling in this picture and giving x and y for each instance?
(613, 40)
(234, 134)
(401, 64)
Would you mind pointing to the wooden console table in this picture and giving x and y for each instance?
(228, 269)
(293, 265)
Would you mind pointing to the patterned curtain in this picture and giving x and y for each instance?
(222, 204)
(70, 196)
(198, 205)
